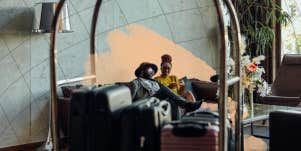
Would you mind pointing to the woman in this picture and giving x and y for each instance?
(172, 81)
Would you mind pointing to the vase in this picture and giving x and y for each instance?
(248, 102)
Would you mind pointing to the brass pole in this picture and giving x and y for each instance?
(237, 88)
(222, 81)
(223, 142)
(53, 82)
(92, 37)
(53, 94)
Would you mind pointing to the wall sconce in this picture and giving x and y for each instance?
(44, 13)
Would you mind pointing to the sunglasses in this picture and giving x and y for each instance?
(150, 70)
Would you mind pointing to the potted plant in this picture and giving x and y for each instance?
(257, 18)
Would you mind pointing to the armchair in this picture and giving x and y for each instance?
(286, 89)
(285, 130)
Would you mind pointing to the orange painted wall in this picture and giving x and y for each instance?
(140, 44)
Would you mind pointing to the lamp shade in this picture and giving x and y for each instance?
(44, 13)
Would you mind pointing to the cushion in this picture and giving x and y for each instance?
(291, 59)
(204, 89)
(280, 100)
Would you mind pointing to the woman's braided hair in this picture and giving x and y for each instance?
(166, 58)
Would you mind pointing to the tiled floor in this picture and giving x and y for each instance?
(254, 143)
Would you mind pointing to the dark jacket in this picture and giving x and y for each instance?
(138, 92)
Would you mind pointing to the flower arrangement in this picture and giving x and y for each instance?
(251, 72)
(252, 75)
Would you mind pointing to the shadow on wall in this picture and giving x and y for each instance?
(140, 44)
(14, 20)
(213, 34)
(39, 123)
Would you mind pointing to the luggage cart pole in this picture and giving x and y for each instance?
(225, 81)
(53, 136)
(53, 94)
(222, 81)
(237, 88)
(92, 36)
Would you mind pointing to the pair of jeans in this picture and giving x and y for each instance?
(176, 101)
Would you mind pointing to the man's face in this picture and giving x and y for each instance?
(148, 73)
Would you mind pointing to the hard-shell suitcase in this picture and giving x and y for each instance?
(189, 136)
(78, 118)
(203, 116)
(213, 119)
(141, 123)
(92, 116)
(203, 123)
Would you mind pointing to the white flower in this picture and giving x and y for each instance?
(245, 60)
(257, 59)
(242, 45)
(264, 89)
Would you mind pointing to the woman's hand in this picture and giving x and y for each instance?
(173, 85)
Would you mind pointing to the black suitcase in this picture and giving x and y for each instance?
(141, 123)
(78, 117)
(92, 116)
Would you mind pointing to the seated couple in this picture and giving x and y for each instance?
(145, 86)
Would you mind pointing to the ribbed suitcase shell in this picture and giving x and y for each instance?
(213, 119)
(141, 124)
(206, 142)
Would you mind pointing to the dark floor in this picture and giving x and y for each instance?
(259, 129)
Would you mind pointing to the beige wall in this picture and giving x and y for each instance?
(189, 26)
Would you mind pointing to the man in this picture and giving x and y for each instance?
(144, 86)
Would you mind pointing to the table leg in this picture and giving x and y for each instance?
(251, 126)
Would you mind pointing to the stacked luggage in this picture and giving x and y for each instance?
(105, 119)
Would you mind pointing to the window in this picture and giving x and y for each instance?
(291, 33)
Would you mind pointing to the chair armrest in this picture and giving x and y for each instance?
(204, 89)
(280, 100)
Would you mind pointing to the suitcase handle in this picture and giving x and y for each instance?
(202, 113)
(152, 101)
(191, 122)
(166, 108)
